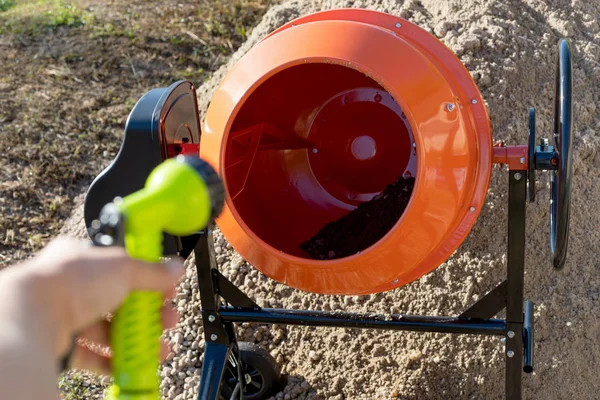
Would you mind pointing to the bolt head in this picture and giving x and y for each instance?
(450, 106)
(213, 337)
(511, 334)
(472, 209)
(474, 101)
(510, 354)
(518, 176)
(544, 141)
(398, 24)
(211, 318)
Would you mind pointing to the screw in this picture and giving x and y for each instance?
(522, 160)
(395, 280)
(510, 354)
(450, 107)
(472, 209)
(545, 142)
(518, 176)
(315, 151)
(511, 334)
(474, 101)
(211, 318)
(213, 337)
(414, 145)
(398, 24)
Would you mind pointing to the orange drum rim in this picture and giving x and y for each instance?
(465, 222)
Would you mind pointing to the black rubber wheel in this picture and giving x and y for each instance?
(563, 141)
(262, 375)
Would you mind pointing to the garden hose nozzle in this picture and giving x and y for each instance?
(181, 196)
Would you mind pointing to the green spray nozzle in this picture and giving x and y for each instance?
(181, 196)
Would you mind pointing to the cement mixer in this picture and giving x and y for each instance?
(356, 152)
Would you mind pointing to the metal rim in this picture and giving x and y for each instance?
(253, 384)
(563, 140)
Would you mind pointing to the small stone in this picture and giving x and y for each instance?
(314, 356)
(181, 375)
(218, 249)
(105, 381)
(178, 338)
(415, 356)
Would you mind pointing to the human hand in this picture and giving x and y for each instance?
(70, 287)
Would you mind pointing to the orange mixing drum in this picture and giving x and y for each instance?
(323, 114)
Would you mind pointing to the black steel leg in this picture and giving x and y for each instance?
(517, 195)
(528, 337)
(219, 336)
(213, 367)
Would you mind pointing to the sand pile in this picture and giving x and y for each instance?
(510, 48)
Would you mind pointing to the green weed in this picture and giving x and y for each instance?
(6, 4)
(32, 17)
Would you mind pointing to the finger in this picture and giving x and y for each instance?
(161, 278)
(102, 278)
(169, 316)
(165, 350)
(97, 333)
(85, 358)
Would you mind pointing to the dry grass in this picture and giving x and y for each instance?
(70, 73)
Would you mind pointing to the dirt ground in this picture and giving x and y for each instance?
(70, 72)
(509, 46)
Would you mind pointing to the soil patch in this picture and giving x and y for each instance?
(363, 226)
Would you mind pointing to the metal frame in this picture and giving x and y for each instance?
(223, 304)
